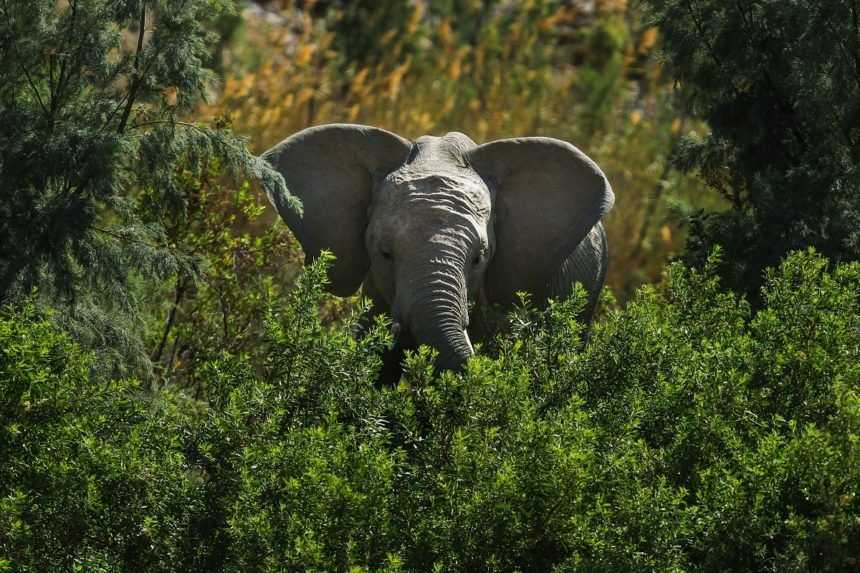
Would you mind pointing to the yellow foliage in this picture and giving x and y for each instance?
(415, 20)
(354, 112)
(445, 34)
(171, 96)
(304, 54)
(666, 234)
(648, 40)
(387, 37)
(304, 95)
(396, 78)
(454, 70)
(608, 6)
(552, 21)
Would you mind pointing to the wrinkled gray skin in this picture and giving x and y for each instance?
(429, 226)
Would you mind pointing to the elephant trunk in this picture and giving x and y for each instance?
(448, 337)
(439, 316)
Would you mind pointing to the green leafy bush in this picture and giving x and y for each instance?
(242, 262)
(688, 433)
(93, 476)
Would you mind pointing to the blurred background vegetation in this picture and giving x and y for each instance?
(579, 70)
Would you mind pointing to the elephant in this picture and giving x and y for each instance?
(431, 227)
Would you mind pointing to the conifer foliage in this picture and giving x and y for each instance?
(779, 84)
(91, 150)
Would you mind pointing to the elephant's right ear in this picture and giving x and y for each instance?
(331, 169)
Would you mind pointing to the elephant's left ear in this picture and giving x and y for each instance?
(548, 196)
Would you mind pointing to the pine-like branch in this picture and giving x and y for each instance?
(137, 75)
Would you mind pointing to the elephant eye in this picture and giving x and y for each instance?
(386, 254)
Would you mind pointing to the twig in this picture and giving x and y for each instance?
(56, 95)
(128, 98)
(124, 238)
(138, 77)
(169, 122)
(20, 61)
(171, 318)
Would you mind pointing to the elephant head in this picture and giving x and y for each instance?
(427, 226)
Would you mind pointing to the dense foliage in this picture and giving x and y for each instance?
(243, 262)
(778, 85)
(690, 433)
(93, 155)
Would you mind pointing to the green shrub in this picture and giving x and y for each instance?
(688, 433)
(93, 476)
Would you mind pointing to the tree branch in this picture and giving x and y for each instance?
(138, 76)
(169, 122)
(56, 94)
(20, 60)
(855, 52)
(171, 318)
(33, 87)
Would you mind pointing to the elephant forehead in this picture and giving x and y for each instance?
(461, 193)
